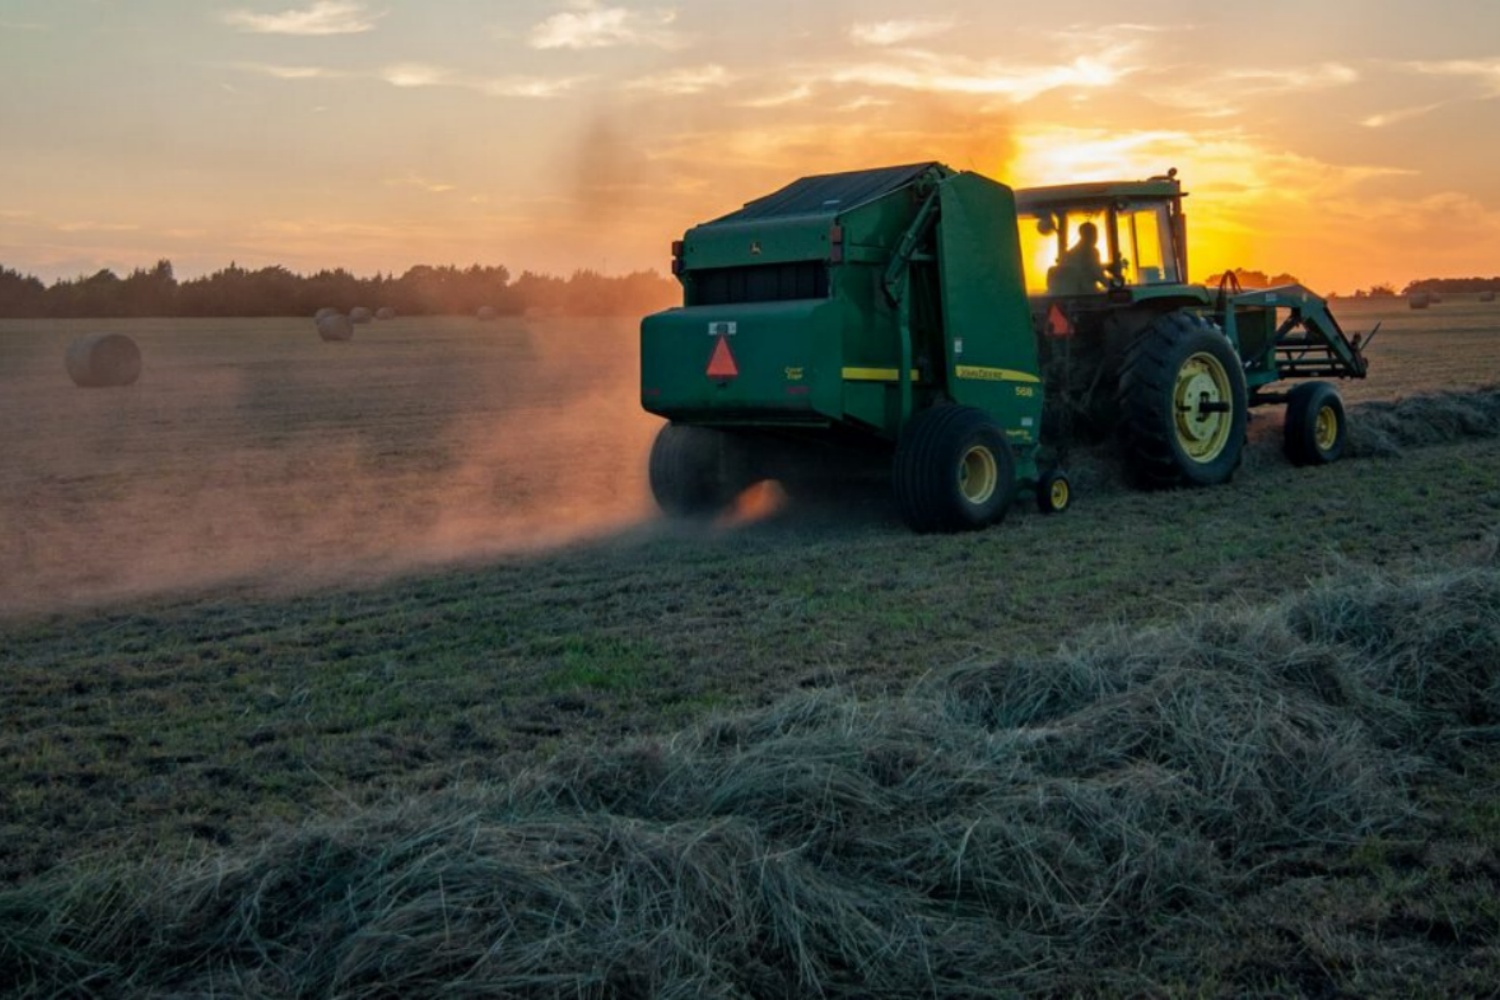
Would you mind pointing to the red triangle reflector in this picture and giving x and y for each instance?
(1057, 323)
(722, 365)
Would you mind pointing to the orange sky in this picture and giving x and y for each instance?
(1349, 146)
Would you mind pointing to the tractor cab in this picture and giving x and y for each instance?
(1087, 239)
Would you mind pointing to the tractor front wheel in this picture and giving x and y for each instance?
(1182, 404)
(1315, 431)
(953, 471)
(697, 471)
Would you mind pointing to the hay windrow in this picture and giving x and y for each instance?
(1045, 824)
(1383, 428)
(103, 360)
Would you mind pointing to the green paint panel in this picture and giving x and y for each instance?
(787, 367)
(991, 351)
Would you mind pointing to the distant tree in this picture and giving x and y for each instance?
(1253, 279)
(21, 295)
(276, 291)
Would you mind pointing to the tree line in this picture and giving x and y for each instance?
(275, 291)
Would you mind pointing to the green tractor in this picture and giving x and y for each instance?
(938, 327)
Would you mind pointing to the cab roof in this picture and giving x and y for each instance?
(1098, 191)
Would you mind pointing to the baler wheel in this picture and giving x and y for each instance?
(953, 471)
(1315, 431)
(1182, 404)
(697, 471)
(1054, 493)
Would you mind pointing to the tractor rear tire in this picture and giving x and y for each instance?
(697, 471)
(1183, 405)
(1315, 431)
(953, 471)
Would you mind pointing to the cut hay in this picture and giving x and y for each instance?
(336, 327)
(103, 360)
(360, 315)
(385, 313)
(486, 313)
(1419, 300)
(1058, 825)
(1383, 428)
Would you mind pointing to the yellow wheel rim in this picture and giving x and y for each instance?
(1202, 382)
(978, 474)
(1058, 495)
(1326, 428)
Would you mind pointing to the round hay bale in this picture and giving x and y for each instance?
(1486, 296)
(359, 314)
(336, 327)
(100, 360)
(1420, 300)
(486, 313)
(385, 312)
(324, 313)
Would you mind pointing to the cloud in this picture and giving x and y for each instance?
(1289, 81)
(782, 99)
(293, 72)
(326, 17)
(1219, 94)
(592, 26)
(415, 75)
(1386, 118)
(96, 227)
(688, 80)
(423, 75)
(884, 33)
(933, 73)
(418, 75)
(1486, 72)
(421, 184)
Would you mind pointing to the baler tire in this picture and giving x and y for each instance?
(1054, 493)
(696, 471)
(1181, 355)
(1315, 430)
(953, 471)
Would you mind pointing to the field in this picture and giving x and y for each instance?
(294, 624)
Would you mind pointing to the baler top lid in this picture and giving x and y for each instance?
(829, 194)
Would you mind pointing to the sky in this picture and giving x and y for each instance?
(1347, 142)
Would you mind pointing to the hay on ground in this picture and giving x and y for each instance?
(1419, 300)
(1384, 427)
(486, 313)
(102, 360)
(336, 327)
(385, 312)
(360, 314)
(1486, 296)
(324, 313)
(1035, 825)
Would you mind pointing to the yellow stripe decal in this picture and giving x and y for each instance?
(877, 374)
(993, 374)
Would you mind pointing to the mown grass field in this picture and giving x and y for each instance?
(283, 586)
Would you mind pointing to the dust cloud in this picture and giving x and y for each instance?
(251, 455)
